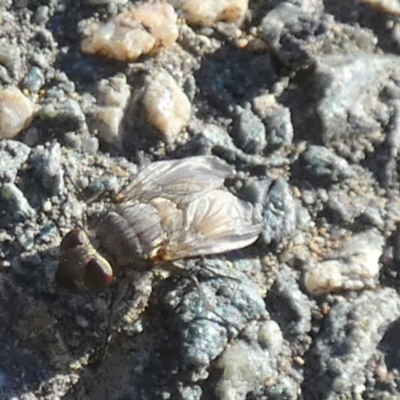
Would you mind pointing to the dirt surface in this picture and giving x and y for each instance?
(302, 99)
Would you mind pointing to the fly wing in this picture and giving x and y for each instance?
(215, 222)
(178, 179)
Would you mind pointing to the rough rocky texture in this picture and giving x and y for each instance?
(302, 99)
(348, 340)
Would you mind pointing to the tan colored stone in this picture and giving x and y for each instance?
(208, 12)
(166, 105)
(146, 29)
(388, 6)
(16, 112)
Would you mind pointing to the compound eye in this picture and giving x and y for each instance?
(76, 237)
(98, 274)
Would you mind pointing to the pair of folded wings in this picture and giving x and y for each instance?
(199, 217)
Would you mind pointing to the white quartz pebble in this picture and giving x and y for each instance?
(16, 112)
(145, 29)
(166, 105)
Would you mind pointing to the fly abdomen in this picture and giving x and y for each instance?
(132, 229)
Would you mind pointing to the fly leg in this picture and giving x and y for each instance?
(179, 269)
(128, 300)
(216, 273)
(116, 299)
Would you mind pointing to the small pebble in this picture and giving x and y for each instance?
(344, 80)
(42, 15)
(249, 131)
(46, 162)
(90, 145)
(247, 364)
(106, 123)
(13, 155)
(279, 127)
(10, 57)
(277, 120)
(387, 6)
(105, 118)
(47, 206)
(208, 12)
(13, 195)
(166, 105)
(146, 29)
(16, 112)
(67, 113)
(34, 80)
(288, 305)
(280, 30)
(279, 212)
(27, 240)
(113, 92)
(105, 2)
(324, 164)
(353, 267)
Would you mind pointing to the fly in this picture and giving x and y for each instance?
(171, 210)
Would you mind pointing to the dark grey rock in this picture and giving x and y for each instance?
(27, 239)
(49, 233)
(10, 57)
(204, 334)
(248, 131)
(289, 306)
(21, 367)
(315, 73)
(13, 156)
(46, 162)
(214, 136)
(286, 387)
(42, 14)
(211, 138)
(65, 113)
(279, 212)
(351, 106)
(295, 33)
(34, 80)
(345, 207)
(325, 165)
(45, 38)
(4, 75)
(90, 145)
(19, 203)
(349, 338)
(279, 127)
(192, 392)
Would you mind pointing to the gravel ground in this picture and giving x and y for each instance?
(302, 98)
